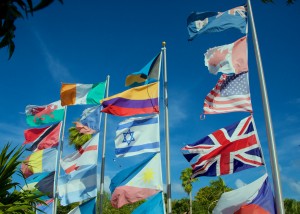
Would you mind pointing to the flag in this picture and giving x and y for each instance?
(33, 180)
(137, 182)
(90, 120)
(82, 94)
(231, 94)
(41, 115)
(137, 135)
(85, 156)
(39, 161)
(84, 208)
(211, 22)
(82, 129)
(45, 208)
(256, 197)
(138, 100)
(149, 74)
(45, 185)
(225, 151)
(228, 59)
(42, 138)
(78, 186)
(155, 203)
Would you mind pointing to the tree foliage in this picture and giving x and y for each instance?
(291, 206)
(78, 139)
(10, 11)
(208, 196)
(12, 200)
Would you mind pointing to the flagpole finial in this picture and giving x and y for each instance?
(164, 44)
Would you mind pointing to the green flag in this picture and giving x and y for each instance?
(41, 115)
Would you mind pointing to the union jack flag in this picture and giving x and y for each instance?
(225, 151)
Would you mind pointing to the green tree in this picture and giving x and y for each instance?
(291, 206)
(12, 200)
(180, 206)
(10, 11)
(187, 184)
(208, 196)
(77, 139)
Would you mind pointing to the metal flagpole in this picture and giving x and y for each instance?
(268, 120)
(57, 171)
(103, 154)
(167, 139)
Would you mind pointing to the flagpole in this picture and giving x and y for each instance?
(103, 153)
(167, 139)
(268, 120)
(57, 170)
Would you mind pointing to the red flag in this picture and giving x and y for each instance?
(42, 138)
(231, 94)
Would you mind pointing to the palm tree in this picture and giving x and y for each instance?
(77, 139)
(11, 200)
(10, 11)
(187, 184)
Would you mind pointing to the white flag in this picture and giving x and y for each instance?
(85, 156)
(137, 135)
(78, 186)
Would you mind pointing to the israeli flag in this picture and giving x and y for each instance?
(137, 135)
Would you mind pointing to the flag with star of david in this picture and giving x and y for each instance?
(225, 151)
(137, 135)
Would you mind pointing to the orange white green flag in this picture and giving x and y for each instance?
(45, 114)
(82, 94)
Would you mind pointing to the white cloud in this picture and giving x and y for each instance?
(292, 183)
(239, 183)
(57, 70)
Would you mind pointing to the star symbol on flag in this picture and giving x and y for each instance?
(128, 137)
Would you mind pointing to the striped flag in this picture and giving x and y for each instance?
(137, 135)
(138, 100)
(231, 94)
(78, 186)
(39, 161)
(85, 156)
(81, 94)
(42, 138)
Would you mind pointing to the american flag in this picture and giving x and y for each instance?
(231, 94)
(225, 151)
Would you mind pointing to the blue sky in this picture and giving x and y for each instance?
(84, 41)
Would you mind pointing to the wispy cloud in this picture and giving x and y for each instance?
(11, 133)
(177, 109)
(292, 183)
(57, 70)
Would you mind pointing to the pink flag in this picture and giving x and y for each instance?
(228, 59)
(84, 129)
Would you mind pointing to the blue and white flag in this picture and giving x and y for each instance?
(256, 197)
(211, 22)
(137, 135)
(78, 186)
(156, 203)
(45, 208)
(91, 117)
(84, 208)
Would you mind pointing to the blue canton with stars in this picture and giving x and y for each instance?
(128, 137)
